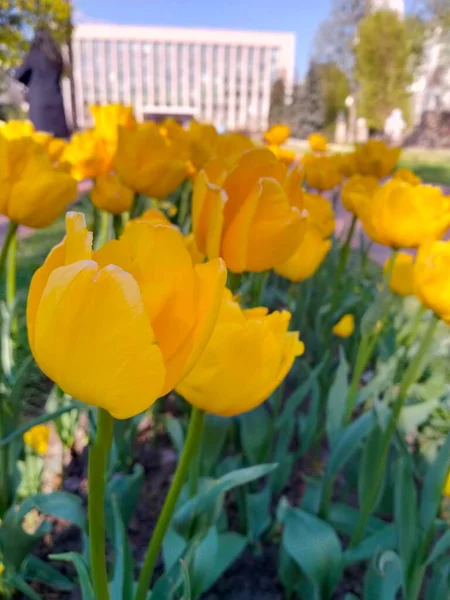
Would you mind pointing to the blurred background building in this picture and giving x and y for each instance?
(221, 76)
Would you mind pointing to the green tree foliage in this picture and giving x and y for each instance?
(18, 20)
(277, 110)
(306, 113)
(335, 89)
(385, 63)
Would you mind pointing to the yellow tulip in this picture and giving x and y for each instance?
(346, 163)
(321, 172)
(191, 245)
(408, 176)
(248, 356)
(285, 155)
(110, 194)
(122, 326)
(401, 215)
(277, 134)
(307, 258)
(32, 191)
(357, 189)
(320, 213)
(177, 136)
(37, 438)
(431, 280)
(402, 276)
(109, 117)
(2, 568)
(249, 214)
(229, 145)
(317, 142)
(345, 327)
(376, 158)
(147, 163)
(88, 155)
(203, 141)
(13, 130)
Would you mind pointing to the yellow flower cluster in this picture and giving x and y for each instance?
(37, 438)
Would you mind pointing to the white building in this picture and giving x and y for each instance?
(220, 76)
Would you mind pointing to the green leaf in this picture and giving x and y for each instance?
(440, 547)
(126, 489)
(337, 398)
(62, 505)
(121, 587)
(405, 512)
(316, 549)
(308, 423)
(203, 562)
(35, 569)
(255, 429)
(369, 458)
(258, 513)
(281, 475)
(21, 585)
(384, 577)
(214, 436)
(296, 399)
(173, 548)
(15, 543)
(204, 500)
(384, 539)
(432, 488)
(84, 580)
(344, 518)
(175, 431)
(348, 443)
(438, 585)
(230, 546)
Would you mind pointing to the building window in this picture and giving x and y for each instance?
(156, 59)
(145, 50)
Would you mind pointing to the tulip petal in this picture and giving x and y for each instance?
(211, 279)
(93, 337)
(208, 202)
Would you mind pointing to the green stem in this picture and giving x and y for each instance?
(190, 447)
(103, 230)
(10, 234)
(117, 226)
(11, 267)
(411, 375)
(415, 325)
(194, 474)
(258, 288)
(343, 258)
(98, 456)
(184, 204)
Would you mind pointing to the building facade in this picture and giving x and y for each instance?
(219, 76)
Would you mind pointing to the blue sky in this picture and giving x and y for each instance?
(299, 16)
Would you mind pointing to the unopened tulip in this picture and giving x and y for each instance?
(322, 172)
(345, 327)
(320, 213)
(247, 357)
(402, 273)
(277, 134)
(402, 215)
(431, 278)
(32, 191)
(89, 155)
(317, 142)
(110, 194)
(376, 158)
(120, 327)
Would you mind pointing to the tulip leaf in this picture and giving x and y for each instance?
(62, 505)
(256, 431)
(441, 546)
(405, 512)
(229, 546)
(214, 436)
(438, 585)
(380, 541)
(370, 457)
(175, 431)
(205, 499)
(258, 513)
(308, 423)
(432, 487)
(337, 398)
(203, 562)
(84, 580)
(384, 577)
(173, 548)
(35, 569)
(346, 444)
(126, 489)
(296, 399)
(121, 587)
(22, 586)
(344, 518)
(316, 549)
